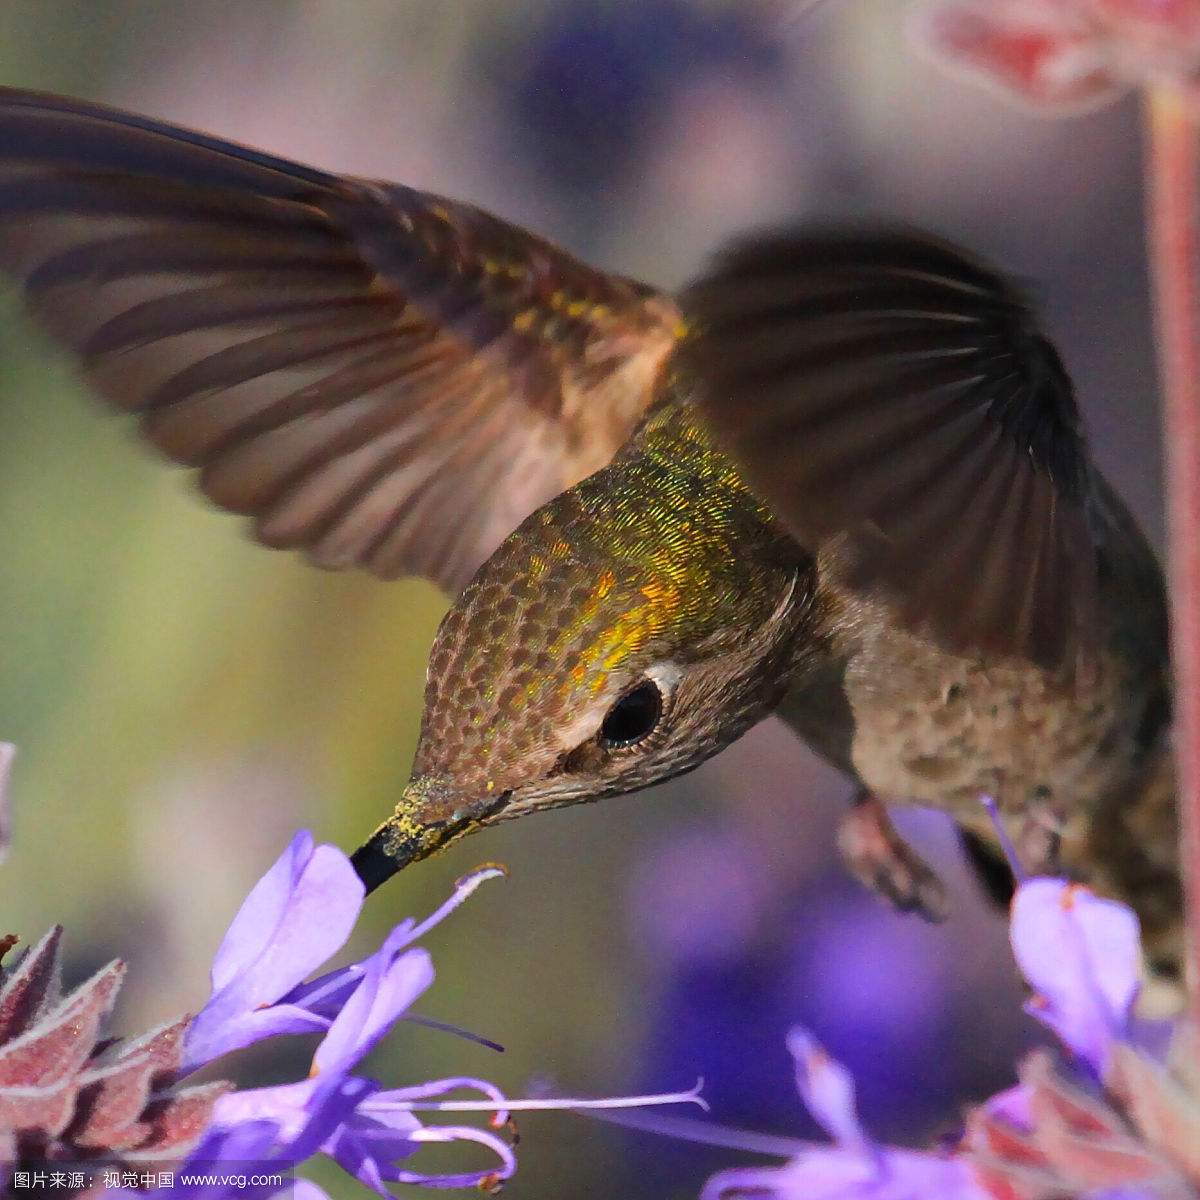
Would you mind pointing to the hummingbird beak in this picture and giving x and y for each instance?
(427, 819)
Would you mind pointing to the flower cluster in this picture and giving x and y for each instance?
(1116, 1118)
(297, 916)
(68, 1096)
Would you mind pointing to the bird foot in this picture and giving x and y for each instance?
(886, 864)
(1038, 841)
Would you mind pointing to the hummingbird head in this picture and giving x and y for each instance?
(613, 641)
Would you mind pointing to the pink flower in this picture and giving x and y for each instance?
(1063, 55)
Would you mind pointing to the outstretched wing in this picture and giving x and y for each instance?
(888, 386)
(378, 376)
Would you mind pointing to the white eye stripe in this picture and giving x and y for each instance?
(665, 675)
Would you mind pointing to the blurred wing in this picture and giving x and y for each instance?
(889, 387)
(380, 377)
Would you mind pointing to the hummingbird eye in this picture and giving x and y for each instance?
(633, 717)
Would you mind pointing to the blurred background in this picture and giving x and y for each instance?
(183, 700)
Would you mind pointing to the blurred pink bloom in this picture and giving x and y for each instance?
(1065, 54)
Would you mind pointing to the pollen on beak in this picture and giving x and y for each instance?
(431, 814)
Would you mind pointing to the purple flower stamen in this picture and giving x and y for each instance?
(1002, 835)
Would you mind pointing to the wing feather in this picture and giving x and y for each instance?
(884, 381)
(377, 376)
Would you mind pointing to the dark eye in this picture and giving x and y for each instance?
(633, 717)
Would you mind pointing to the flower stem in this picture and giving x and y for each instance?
(1174, 159)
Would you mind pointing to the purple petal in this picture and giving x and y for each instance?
(824, 1174)
(220, 1029)
(304, 1115)
(1012, 1106)
(389, 986)
(295, 918)
(746, 1181)
(263, 909)
(827, 1089)
(236, 1150)
(911, 1173)
(328, 993)
(305, 1189)
(1082, 956)
(838, 1174)
(366, 1147)
(332, 1115)
(333, 1103)
(285, 1106)
(298, 915)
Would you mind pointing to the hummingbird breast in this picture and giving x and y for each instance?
(908, 719)
(1083, 750)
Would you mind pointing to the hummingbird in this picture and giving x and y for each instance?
(841, 477)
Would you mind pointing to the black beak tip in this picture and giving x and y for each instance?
(389, 850)
(372, 864)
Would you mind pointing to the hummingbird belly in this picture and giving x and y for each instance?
(914, 724)
(935, 729)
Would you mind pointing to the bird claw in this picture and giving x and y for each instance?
(886, 864)
(1038, 841)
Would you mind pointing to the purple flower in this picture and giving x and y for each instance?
(855, 1167)
(298, 915)
(1082, 957)
(295, 918)
(67, 1094)
(1119, 1127)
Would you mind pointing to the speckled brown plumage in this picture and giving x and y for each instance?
(662, 557)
